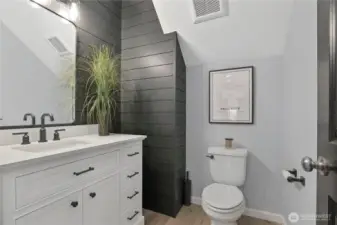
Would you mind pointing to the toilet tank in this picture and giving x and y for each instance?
(228, 165)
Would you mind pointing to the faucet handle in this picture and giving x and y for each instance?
(57, 134)
(25, 137)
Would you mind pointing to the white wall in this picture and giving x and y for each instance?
(253, 21)
(284, 130)
(300, 105)
(263, 139)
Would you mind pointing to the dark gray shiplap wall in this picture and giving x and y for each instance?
(180, 119)
(153, 103)
(99, 24)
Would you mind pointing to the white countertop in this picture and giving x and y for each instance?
(9, 156)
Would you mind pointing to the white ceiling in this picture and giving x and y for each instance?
(253, 29)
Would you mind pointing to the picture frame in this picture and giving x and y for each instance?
(231, 95)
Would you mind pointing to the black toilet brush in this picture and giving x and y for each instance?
(187, 190)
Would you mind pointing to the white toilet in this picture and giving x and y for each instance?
(223, 201)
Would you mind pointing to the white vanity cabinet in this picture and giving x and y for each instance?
(56, 213)
(101, 202)
(97, 186)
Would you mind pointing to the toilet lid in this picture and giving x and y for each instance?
(222, 196)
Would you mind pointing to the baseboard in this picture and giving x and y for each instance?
(141, 221)
(196, 200)
(264, 215)
(259, 214)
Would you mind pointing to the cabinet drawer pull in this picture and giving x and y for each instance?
(132, 175)
(133, 154)
(134, 195)
(92, 194)
(84, 171)
(133, 216)
(74, 204)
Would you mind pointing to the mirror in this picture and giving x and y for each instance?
(37, 64)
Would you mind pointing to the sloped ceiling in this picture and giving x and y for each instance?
(253, 29)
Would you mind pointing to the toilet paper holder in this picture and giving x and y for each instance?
(300, 179)
(296, 179)
(293, 172)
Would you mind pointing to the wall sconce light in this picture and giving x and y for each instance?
(68, 9)
(73, 11)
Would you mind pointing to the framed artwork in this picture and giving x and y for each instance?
(231, 97)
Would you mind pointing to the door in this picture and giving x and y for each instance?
(101, 202)
(66, 211)
(327, 115)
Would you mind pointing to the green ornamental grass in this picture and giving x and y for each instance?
(103, 85)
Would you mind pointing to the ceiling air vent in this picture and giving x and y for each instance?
(209, 9)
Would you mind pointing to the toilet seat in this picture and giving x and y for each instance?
(223, 211)
(222, 198)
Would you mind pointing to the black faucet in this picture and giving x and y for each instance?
(31, 115)
(43, 135)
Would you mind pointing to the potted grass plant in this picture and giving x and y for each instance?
(103, 85)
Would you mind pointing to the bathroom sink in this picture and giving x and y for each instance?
(50, 146)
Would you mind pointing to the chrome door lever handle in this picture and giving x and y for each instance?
(322, 165)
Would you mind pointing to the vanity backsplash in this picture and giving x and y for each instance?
(7, 137)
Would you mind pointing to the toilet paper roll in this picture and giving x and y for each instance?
(286, 174)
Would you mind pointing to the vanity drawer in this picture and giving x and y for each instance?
(131, 177)
(131, 216)
(103, 163)
(131, 198)
(131, 155)
(40, 184)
